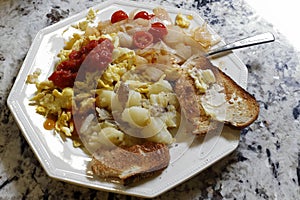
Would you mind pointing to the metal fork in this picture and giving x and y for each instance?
(246, 42)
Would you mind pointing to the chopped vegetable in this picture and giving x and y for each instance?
(143, 15)
(142, 39)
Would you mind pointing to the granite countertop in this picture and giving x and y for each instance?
(266, 164)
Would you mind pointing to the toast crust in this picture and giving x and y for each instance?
(242, 109)
(245, 108)
(190, 103)
(128, 165)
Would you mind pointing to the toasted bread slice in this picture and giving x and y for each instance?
(130, 164)
(241, 107)
(191, 107)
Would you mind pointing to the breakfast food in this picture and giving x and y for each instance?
(213, 96)
(131, 164)
(123, 88)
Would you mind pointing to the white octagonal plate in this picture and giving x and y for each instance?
(64, 162)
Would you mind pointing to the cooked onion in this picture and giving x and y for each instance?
(154, 127)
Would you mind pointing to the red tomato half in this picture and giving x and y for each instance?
(75, 55)
(142, 39)
(158, 30)
(94, 56)
(118, 16)
(63, 78)
(143, 15)
(98, 58)
(69, 65)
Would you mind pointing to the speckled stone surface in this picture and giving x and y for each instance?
(266, 164)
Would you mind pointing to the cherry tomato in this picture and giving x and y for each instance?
(118, 16)
(143, 15)
(142, 39)
(158, 30)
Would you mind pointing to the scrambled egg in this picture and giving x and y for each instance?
(64, 123)
(202, 78)
(204, 37)
(152, 107)
(33, 78)
(91, 16)
(83, 25)
(183, 21)
(50, 101)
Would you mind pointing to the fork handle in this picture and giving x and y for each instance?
(250, 41)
